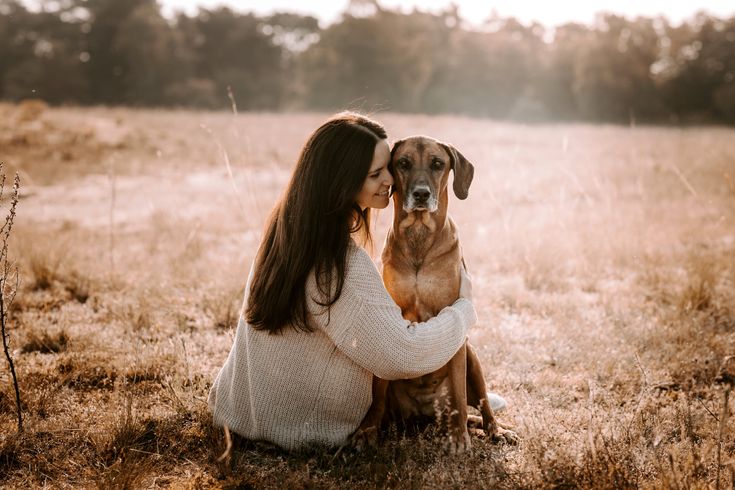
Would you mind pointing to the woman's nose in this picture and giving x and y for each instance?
(388, 179)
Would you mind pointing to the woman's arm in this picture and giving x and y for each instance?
(367, 325)
(382, 342)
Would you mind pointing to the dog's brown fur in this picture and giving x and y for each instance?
(421, 270)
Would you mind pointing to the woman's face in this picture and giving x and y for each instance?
(375, 192)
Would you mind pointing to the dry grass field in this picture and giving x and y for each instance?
(603, 260)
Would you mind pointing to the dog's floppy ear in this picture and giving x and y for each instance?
(396, 144)
(463, 171)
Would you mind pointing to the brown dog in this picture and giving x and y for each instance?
(421, 262)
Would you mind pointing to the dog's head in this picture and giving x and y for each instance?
(420, 166)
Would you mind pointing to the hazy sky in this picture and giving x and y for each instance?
(550, 13)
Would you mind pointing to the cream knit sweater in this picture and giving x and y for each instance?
(297, 388)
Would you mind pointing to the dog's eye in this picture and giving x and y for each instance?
(403, 164)
(437, 164)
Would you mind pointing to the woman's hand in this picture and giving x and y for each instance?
(465, 283)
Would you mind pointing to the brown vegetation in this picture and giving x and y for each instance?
(603, 273)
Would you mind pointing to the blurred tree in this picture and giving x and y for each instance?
(716, 63)
(292, 31)
(349, 65)
(191, 88)
(384, 60)
(502, 67)
(294, 34)
(147, 48)
(697, 77)
(41, 53)
(14, 45)
(108, 68)
(612, 79)
(556, 85)
(237, 51)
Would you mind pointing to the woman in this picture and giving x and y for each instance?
(317, 322)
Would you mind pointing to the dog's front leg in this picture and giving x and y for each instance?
(458, 436)
(477, 397)
(477, 392)
(367, 433)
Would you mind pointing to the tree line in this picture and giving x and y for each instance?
(125, 52)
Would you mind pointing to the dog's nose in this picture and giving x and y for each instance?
(421, 194)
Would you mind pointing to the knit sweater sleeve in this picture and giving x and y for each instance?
(367, 326)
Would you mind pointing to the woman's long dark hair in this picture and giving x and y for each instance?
(309, 229)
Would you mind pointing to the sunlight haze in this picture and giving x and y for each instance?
(549, 13)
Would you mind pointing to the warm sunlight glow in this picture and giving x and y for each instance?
(476, 11)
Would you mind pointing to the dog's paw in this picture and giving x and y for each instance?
(458, 443)
(365, 438)
(505, 436)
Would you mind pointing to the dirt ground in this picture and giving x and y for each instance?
(603, 260)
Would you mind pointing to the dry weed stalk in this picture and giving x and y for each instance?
(9, 283)
(730, 182)
(721, 432)
(113, 197)
(228, 166)
(227, 454)
(725, 377)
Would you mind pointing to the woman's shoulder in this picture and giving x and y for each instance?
(359, 260)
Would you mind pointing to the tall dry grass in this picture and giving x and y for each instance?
(604, 276)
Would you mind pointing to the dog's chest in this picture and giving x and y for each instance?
(422, 293)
